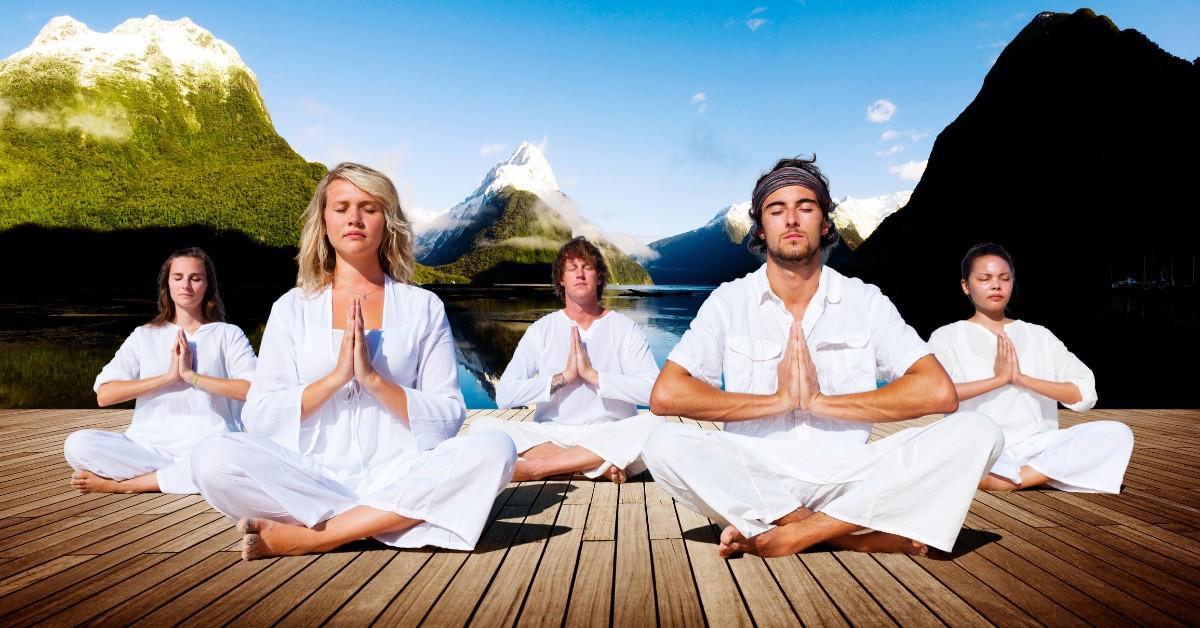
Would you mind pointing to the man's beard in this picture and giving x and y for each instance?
(788, 253)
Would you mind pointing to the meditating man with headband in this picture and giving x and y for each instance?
(799, 346)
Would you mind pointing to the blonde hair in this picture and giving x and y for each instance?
(316, 258)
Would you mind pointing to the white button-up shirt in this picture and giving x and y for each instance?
(854, 333)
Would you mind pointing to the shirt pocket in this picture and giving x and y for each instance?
(750, 364)
(845, 364)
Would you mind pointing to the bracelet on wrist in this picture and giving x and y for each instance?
(195, 378)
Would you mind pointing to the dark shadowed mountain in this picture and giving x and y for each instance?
(1078, 155)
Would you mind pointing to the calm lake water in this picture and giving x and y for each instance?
(487, 325)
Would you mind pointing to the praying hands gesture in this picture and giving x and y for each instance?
(1007, 368)
(579, 366)
(354, 359)
(798, 387)
(181, 358)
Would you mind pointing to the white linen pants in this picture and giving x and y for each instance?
(1087, 458)
(618, 442)
(450, 488)
(917, 483)
(114, 456)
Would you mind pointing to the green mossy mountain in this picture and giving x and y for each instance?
(162, 158)
(520, 246)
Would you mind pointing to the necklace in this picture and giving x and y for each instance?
(366, 293)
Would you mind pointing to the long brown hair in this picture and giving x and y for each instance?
(211, 306)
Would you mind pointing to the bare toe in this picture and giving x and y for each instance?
(615, 474)
(253, 547)
(919, 549)
(250, 525)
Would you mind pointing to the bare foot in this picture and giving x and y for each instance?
(263, 538)
(525, 471)
(733, 543)
(615, 474)
(88, 482)
(992, 482)
(881, 542)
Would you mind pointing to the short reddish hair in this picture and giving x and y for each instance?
(579, 248)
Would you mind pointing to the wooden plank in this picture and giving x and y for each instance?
(809, 601)
(660, 514)
(766, 602)
(271, 608)
(502, 602)
(1045, 601)
(950, 608)
(222, 597)
(370, 601)
(602, 517)
(546, 603)
(677, 599)
(334, 592)
(590, 603)
(995, 607)
(844, 590)
(39, 572)
(633, 588)
(719, 596)
(903, 607)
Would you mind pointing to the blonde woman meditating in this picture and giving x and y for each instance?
(1017, 373)
(187, 370)
(354, 408)
(587, 369)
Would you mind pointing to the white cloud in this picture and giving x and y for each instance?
(102, 122)
(881, 111)
(490, 150)
(890, 151)
(755, 23)
(758, 10)
(544, 145)
(892, 135)
(909, 171)
(700, 99)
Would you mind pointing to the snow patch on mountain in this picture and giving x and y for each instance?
(857, 218)
(137, 47)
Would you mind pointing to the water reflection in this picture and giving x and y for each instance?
(488, 323)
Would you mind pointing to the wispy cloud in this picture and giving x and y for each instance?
(890, 151)
(700, 99)
(491, 150)
(544, 145)
(910, 170)
(881, 111)
(98, 121)
(755, 23)
(758, 10)
(912, 135)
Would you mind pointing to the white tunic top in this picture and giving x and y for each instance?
(352, 431)
(618, 351)
(174, 418)
(853, 331)
(968, 352)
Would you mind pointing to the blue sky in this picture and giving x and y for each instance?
(654, 115)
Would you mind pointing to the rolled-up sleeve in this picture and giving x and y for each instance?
(1069, 368)
(638, 371)
(124, 366)
(273, 403)
(897, 344)
(240, 360)
(701, 350)
(436, 409)
(522, 383)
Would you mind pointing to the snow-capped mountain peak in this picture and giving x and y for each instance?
(137, 46)
(857, 218)
(527, 169)
(734, 220)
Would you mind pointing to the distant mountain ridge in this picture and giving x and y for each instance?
(510, 228)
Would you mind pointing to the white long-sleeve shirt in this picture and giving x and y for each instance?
(353, 431)
(968, 352)
(174, 418)
(618, 351)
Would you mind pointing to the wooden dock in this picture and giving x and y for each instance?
(574, 552)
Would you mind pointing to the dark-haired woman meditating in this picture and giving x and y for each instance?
(189, 372)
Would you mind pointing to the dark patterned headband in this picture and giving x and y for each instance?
(785, 177)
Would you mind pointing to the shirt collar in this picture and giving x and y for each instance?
(829, 286)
